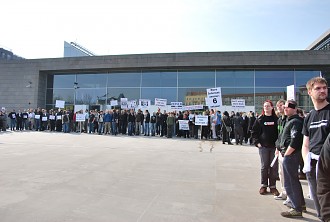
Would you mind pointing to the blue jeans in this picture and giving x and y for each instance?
(100, 129)
(146, 129)
(311, 178)
(153, 128)
(12, 124)
(291, 180)
(65, 127)
(37, 124)
(130, 128)
(137, 128)
(114, 128)
(268, 174)
(91, 127)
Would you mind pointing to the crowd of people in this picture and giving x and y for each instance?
(234, 127)
(290, 143)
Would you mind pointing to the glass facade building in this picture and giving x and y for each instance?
(178, 85)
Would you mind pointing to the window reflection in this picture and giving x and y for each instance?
(235, 78)
(162, 93)
(159, 79)
(237, 93)
(91, 96)
(124, 79)
(196, 79)
(130, 93)
(278, 78)
(61, 81)
(303, 76)
(62, 94)
(91, 80)
(192, 96)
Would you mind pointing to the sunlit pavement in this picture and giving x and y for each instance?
(82, 177)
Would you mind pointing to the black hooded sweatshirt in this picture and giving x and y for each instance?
(264, 131)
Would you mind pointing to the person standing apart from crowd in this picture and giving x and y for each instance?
(264, 133)
(290, 145)
(316, 129)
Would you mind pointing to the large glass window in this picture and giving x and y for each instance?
(278, 78)
(91, 80)
(90, 96)
(129, 93)
(159, 79)
(66, 95)
(192, 96)
(124, 79)
(196, 79)
(237, 93)
(303, 76)
(162, 93)
(235, 78)
(61, 81)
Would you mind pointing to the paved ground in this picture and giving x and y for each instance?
(48, 177)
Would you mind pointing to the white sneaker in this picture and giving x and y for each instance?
(286, 202)
(282, 196)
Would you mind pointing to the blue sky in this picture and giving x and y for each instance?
(38, 28)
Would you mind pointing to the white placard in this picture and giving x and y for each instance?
(60, 104)
(183, 124)
(52, 117)
(215, 94)
(160, 102)
(58, 117)
(290, 94)
(144, 103)
(238, 103)
(114, 102)
(123, 103)
(37, 116)
(191, 117)
(80, 117)
(176, 106)
(193, 107)
(131, 104)
(44, 119)
(201, 120)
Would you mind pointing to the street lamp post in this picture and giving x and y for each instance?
(75, 87)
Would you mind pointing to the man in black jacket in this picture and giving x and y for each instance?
(323, 180)
(290, 145)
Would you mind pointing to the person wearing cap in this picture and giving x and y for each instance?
(290, 146)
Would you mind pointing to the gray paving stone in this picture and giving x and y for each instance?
(56, 177)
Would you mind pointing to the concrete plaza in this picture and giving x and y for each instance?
(57, 177)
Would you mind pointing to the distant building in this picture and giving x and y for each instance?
(8, 55)
(73, 49)
(322, 43)
(85, 79)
